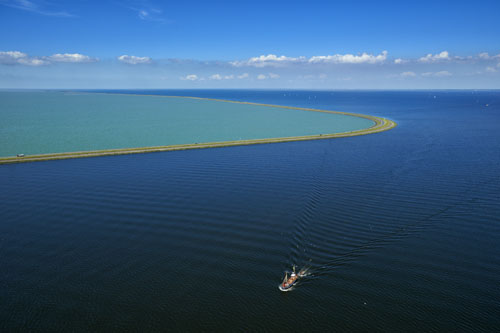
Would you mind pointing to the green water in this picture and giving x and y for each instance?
(52, 122)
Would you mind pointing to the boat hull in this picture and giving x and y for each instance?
(287, 287)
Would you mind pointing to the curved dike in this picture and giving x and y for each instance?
(215, 105)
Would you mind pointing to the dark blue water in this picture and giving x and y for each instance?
(401, 229)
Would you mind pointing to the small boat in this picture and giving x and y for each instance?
(289, 282)
(20, 155)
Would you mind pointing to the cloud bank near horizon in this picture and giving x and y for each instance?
(21, 58)
(269, 60)
(134, 60)
(335, 70)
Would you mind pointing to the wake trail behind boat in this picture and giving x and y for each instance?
(325, 265)
(403, 231)
(300, 235)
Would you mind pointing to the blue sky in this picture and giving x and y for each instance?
(250, 44)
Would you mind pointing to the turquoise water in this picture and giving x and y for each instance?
(50, 122)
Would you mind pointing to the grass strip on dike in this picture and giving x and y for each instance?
(381, 125)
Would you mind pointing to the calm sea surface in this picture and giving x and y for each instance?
(56, 122)
(400, 229)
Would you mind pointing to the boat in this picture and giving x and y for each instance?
(289, 282)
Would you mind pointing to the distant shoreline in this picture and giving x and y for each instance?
(381, 125)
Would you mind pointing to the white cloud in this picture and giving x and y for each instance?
(399, 61)
(281, 61)
(498, 65)
(13, 54)
(190, 77)
(267, 60)
(17, 57)
(484, 55)
(268, 76)
(20, 58)
(492, 69)
(350, 58)
(408, 74)
(445, 56)
(243, 76)
(33, 62)
(435, 57)
(12, 57)
(70, 57)
(133, 60)
(220, 77)
(437, 74)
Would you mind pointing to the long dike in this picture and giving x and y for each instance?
(381, 125)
